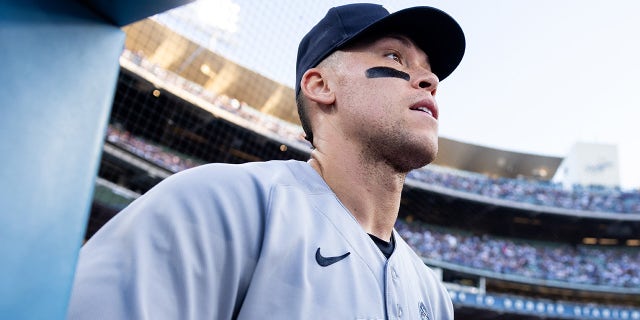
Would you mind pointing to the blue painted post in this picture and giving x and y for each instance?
(58, 70)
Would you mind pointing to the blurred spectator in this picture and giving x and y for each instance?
(154, 154)
(545, 193)
(584, 265)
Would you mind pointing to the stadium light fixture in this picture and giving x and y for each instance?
(607, 241)
(220, 14)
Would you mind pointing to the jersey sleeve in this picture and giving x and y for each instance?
(184, 250)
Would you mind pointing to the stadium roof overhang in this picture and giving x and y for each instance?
(495, 162)
(123, 12)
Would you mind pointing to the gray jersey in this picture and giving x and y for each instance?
(254, 241)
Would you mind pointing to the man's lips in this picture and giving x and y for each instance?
(427, 107)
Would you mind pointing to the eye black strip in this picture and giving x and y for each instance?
(384, 72)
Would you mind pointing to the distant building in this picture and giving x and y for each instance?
(590, 164)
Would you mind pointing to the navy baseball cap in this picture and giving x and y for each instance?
(432, 30)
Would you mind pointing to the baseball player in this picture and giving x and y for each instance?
(291, 239)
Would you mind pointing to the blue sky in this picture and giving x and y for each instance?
(537, 76)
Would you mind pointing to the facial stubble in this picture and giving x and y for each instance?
(397, 147)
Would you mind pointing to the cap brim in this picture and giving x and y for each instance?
(432, 30)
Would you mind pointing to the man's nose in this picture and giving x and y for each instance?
(425, 79)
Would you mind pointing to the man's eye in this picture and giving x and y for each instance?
(394, 56)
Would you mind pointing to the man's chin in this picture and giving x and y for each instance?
(412, 161)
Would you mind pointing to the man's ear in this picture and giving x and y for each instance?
(315, 87)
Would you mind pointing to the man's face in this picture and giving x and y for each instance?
(385, 97)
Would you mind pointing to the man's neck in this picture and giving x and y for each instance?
(370, 191)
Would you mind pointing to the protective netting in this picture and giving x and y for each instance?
(189, 94)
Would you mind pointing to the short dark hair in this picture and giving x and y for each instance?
(304, 117)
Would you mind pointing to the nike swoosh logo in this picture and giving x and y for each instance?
(327, 261)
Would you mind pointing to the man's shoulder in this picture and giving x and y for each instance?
(231, 174)
(232, 181)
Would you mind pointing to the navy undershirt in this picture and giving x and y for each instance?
(384, 246)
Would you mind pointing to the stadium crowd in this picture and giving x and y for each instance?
(600, 199)
(545, 193)
(583, 265)
(150, 152)
(232, 107)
